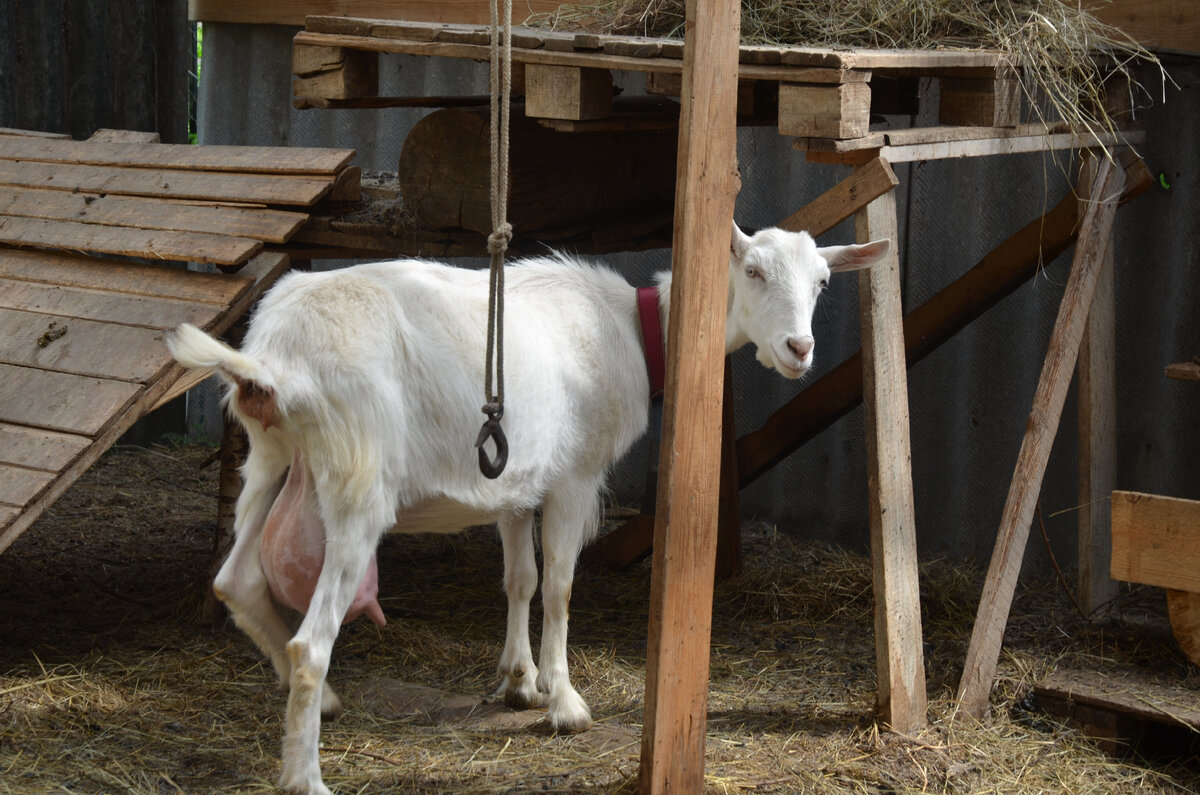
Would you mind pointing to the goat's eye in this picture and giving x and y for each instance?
(754, 273)
(821, 285)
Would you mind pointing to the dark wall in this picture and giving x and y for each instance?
(74, 66)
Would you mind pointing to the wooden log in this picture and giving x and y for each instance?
(1002, 271)
(983, 653)
(673, 734)
(444, 174)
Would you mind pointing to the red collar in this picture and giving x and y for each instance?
(652, 336)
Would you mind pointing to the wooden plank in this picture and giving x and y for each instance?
(1136, 697)
(1157, 24)
(567, 92)
(271, 226)
(67, 270)
(843, 200)
(815, 111)
(983, 652)
(729, 508)
(106, 135)
(35, 133)
(1184, 371)
(280, 160)
(126, 241)
(1156, 540)
(18, 485)
(210, 185)
(898, 654)
(82, 347)
(35, 448)
(1004, 269)
(294, 12)
(672, 758)
(102, 305)
(1008, 146)
(1097, 425)
(191, 379)
(61, 401)
(581, 57)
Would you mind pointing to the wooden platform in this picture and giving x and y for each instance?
(825, 98)
(92, 240)
(1124, 713)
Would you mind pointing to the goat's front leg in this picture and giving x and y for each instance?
(518, 674)
(567, 517)
(348, 547)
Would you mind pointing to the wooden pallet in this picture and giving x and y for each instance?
(824, 98)
(81, 332)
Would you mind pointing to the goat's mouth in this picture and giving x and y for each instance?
(789, 367)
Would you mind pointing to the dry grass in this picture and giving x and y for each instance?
(1065, 52)
(108, 683)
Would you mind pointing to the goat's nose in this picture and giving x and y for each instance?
(801, 346)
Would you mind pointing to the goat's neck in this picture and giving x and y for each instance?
(734, 338)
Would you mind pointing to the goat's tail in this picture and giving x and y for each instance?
(194, 349)
(255, 394)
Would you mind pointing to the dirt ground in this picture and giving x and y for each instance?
(109, 681)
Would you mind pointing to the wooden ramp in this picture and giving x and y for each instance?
(92, 237)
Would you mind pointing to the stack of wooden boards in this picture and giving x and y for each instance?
(93, 237)
(824, 98)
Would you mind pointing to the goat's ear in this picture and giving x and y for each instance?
(739, 243)
(855, 257)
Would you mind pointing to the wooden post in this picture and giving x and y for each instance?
(672, 758)
(729, 523)
(898, 656)
(1097, 443)
(1094, 237)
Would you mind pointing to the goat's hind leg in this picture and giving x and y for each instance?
(569, 516)
(348, 548)
(518, 673)
(241, 585)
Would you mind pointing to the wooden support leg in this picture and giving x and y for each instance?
(1094, 237)
(899, 659)
(1097, 444)
(672, 759)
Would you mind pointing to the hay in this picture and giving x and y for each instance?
(1065, 52)
(108, 683)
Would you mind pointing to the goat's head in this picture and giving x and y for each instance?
(775, 278)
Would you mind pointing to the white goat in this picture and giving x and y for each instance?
(370, 378)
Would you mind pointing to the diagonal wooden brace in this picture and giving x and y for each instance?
(1095, 237)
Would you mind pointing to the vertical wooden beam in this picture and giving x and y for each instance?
(672, 758)
(1097, 442)
(898, 655)
(983, 654)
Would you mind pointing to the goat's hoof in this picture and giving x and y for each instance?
(303, 786)
(517, 699)
(570, 715)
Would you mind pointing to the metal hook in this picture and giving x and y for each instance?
(491, 468)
